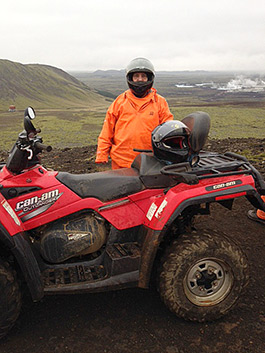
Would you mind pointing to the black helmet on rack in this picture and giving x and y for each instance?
(170, 142)
(140, 65)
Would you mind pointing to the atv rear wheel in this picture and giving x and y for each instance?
(10, 298)
(202, 275)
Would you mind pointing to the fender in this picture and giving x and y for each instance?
(149, 250)
(14, 238)
(20, 248)
(156, 232)
(165, 210)
(28, 265)
(219, 196)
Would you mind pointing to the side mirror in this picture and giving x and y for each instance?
(199, 125)
(29, 115)
(30, 112)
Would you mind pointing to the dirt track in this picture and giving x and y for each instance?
(135, 320)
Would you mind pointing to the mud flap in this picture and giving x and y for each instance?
(28, 265)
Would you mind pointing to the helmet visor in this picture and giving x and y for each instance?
(175, 143)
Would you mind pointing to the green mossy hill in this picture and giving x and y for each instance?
(43, 86)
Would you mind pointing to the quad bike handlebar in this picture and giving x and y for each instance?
(25, 151)
(42, 146)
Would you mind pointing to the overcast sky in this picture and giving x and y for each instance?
(107, 34)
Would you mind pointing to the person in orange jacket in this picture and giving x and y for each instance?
(132, 117)
(257, 215)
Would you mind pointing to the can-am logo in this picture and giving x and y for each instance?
(38, 201)
(223, 185)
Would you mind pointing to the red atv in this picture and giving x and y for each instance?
(62, 233)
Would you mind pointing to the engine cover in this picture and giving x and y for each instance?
(68, 238)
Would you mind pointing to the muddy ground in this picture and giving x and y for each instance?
(135, 320)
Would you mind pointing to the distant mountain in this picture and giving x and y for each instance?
(43, 86)
(108, 73)
(98, 74)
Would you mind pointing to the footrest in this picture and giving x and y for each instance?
(122, 258)
(72, 275)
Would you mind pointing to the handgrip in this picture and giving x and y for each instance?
(141, 150)
(180, 173)
(43, 147)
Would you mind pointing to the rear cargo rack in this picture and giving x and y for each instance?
(214, 164)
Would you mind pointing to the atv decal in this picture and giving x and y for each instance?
(46, 199)
(223, 185)
(161, 209)
(151, 211)
(35, 212)
(10, 210)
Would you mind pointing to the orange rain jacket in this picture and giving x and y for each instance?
(128, 124)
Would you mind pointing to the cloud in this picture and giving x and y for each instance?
(90, 35)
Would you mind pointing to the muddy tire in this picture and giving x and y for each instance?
(10, 298)
(202, 275)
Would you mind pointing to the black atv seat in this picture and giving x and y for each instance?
(149, 169)
(113, 184)
(105, 186)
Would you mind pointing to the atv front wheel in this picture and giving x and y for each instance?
(202, 275)
(10, 298)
